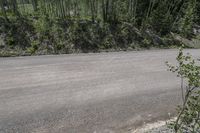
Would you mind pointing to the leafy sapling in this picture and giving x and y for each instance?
(188, 70)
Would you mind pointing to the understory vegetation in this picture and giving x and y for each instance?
(188, 119)
(66, 26)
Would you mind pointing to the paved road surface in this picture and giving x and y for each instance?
(86, 93)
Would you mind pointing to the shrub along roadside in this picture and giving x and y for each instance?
(42, 35)
(188, 70)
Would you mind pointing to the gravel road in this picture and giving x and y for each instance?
(87, 93)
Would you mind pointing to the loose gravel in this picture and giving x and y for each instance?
(157, 127)
(163, 129)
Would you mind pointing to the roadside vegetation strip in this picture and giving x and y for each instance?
(37, 27)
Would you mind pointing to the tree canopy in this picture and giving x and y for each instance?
(161, 15)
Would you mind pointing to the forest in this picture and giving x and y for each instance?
(36, 27)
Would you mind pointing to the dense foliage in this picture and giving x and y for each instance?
(64, 26)
(188, 120)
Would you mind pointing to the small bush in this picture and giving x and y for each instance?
(188, 120)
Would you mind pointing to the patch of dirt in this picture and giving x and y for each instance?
(157, 127)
